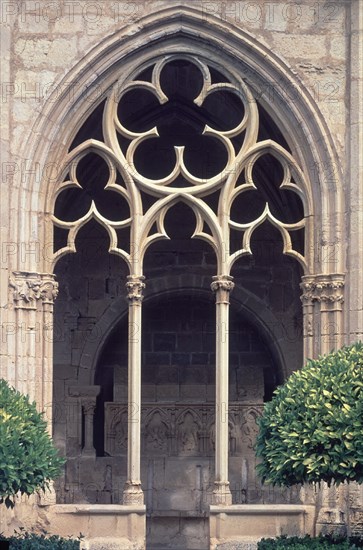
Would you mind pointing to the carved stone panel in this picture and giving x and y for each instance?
(181, 429)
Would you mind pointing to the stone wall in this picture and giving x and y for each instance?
(46, 48)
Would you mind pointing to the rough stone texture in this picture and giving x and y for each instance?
(43, 45)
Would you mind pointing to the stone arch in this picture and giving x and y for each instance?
(170, 286)
(181, 28)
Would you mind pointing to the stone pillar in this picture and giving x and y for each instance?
(87, 398)
(33, 298)
(88, 406)
(133, 493)
(222, 285)
(322, 298)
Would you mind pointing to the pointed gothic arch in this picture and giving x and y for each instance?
(183, 31)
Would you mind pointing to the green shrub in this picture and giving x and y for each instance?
(28, 459)
(312, 430)
(31, 541)
(307, 542)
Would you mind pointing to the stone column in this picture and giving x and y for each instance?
(322, 298)
(88, 406)
(133, 493)
(87, 399)
(222, 285)
(33, 298)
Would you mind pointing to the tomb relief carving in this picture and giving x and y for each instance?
(188, 434)
(116, 430)
(234, 438)
(156, 434)
(250, 427)
(179, 430)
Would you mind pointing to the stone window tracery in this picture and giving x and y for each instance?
(224, 156)
(179, 130)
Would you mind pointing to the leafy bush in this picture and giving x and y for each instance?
(31, 541)
(307, 542)
(312, 430)
(28, 459)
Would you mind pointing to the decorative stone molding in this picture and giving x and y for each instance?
(322, 299)
(323, 288)
(182, 429)
(222, 282)
(135, 287)
(222, 285)
(89, 406)
(167, 190)
(29, 289)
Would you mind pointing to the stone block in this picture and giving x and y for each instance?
(189, 342)
(167, 375)
(45, 53)
(196, 375)
(192, 391)
(164, 342)
(180, 359)
(160, 358)
(167, 392)
(148, 392)
(149, 373)
(200, 358)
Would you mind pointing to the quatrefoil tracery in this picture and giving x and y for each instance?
(165, 189)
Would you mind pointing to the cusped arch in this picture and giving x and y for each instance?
(186, 29)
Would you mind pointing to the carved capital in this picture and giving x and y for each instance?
(322, 288)
(222, 282)
(29, 289)
(222, 285)
(89, 406)
(135, 286)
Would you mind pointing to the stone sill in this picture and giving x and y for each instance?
(98, 509)
(177, 514)
(261, 509)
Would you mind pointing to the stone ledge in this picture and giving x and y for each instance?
(231, 527)
(259, 509)
(98, 509)
(177, 514)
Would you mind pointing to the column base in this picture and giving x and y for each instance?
(133, 494)
(222, 494)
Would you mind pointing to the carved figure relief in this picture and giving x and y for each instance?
(250, 428)
(188, 435)
(234, 438)
(156, 434)
(121, 434)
